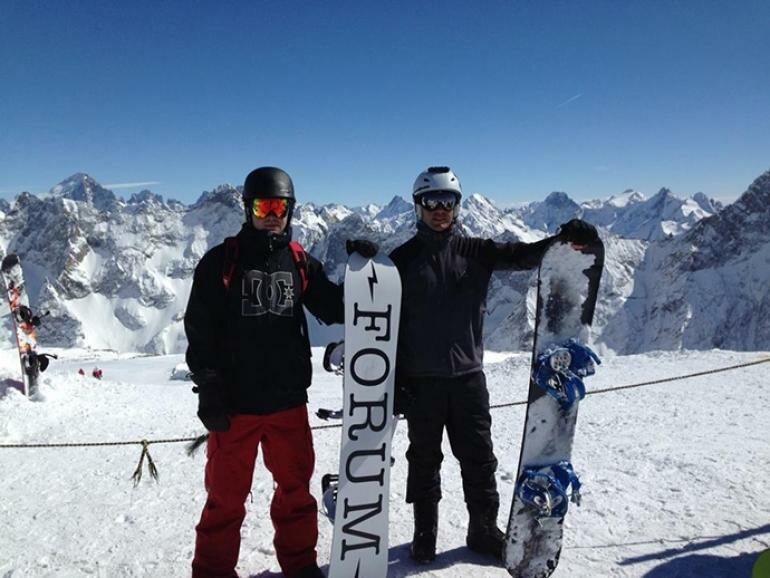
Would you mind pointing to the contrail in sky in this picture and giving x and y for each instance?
(131, 185)
(566, 102)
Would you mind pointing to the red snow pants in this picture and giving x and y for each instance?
(287, 446)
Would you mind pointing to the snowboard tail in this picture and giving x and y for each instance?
(568, 284)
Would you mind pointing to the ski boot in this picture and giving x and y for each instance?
(423, 549)
(484, 537)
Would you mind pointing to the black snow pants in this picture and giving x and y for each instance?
(461, 405)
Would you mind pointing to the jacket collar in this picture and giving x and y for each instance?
(434, 238)
(262, 242)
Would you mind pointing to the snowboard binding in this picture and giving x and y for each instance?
(334, 357)
(333, 362)
(38, 362)
(25, 315)
(545, 489)
(327, 414)
(559, 371)
(329, 486)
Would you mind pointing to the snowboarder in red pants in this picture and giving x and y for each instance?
(249, 354)
(287, 448)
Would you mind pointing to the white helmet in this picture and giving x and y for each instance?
(436, 179)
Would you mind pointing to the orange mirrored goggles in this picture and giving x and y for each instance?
(261, 208)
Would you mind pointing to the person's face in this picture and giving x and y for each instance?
(438, 209)
(270, 214)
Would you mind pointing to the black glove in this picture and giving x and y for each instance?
(403, 398)
(578, 232)
(212, 409)
(363, 247)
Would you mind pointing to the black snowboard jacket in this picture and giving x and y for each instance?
(444, 280)
(254, 334)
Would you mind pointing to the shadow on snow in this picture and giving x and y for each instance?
(705, 566)
(8, 384)
(400, 564)
(685, 563)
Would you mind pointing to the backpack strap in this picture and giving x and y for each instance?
(231, 261)
(298, 255)
(300, 261)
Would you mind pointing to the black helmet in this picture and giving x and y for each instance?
(268, 182)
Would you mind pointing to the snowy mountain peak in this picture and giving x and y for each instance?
(82, 187)
(145, 197)
(757, 197)
(557, 208)
(560, 199)
(396, 207)
(480, 211)
(740, 227)
(226, 188)
(478, 200)
(707, 204)
(335, 213)
(662, 196)
(627, 197)
(223, 194)
(480, 217)
(78, 181)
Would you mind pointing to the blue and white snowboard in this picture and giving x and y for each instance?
(568, 283)
(372, 310)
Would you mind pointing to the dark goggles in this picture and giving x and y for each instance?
(433, 200)
(261, 208)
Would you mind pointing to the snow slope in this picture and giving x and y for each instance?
(674, 473)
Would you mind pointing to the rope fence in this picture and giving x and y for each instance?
(656, 381)
(197, 441)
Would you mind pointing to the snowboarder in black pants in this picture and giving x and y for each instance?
(440, 380)
(250, 357)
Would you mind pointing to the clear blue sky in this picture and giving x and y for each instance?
(354, 98)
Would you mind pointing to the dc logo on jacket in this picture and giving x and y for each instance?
(267, 293)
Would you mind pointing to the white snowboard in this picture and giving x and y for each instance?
(372, 309)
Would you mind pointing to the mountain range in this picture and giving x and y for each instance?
(116, 273)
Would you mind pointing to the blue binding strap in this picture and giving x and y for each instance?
(559, 371)
(544, 488)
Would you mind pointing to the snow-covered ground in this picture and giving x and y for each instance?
(675, 474)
